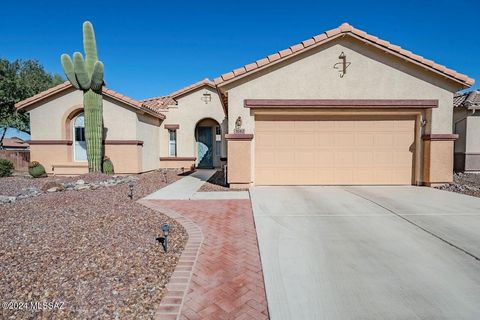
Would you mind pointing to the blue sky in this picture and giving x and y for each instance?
(151, 48)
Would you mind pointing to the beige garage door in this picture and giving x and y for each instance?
(334, 150)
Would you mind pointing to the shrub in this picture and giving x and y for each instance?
(36, 169)
(6, 168)
(107, 166)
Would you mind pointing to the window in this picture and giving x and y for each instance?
(172, 143)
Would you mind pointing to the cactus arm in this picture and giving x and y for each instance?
(81, 71)
(67, 66)
(90, 46)
(97, 77)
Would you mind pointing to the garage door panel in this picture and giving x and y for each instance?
(364, 158)
(325, 139)
(305, 125)
(344, 151)
(325, 158)
(344, 159)
(383, 158)
(344, 139)
(402, 139)
(285, 140)
(365, 139)
(348, 126)
(384, 139)
(304, 139)
(305, 158)
(265, 140)
(284, 158)
(265, 158)
(344, 175)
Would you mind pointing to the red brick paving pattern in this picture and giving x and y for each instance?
(227, 280)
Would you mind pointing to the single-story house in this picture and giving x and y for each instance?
(466, 123)
(341, 108)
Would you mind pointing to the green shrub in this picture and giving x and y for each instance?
(36, 169)
(107, 166)
(6, 168)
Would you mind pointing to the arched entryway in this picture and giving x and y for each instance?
(208, 143)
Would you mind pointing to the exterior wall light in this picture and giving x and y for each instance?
(207, 97)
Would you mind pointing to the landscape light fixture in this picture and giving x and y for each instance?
(130, 190)
(165, 230)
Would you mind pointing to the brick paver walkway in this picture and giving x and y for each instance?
(226, 281)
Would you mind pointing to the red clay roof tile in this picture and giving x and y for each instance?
(285, 52)
(164, 102)
(308, 42)
(273, 57)
(320, 37)
(251, 66)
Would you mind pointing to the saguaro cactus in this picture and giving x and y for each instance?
(87, 75)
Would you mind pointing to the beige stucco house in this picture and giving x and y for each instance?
(466, 123)
(343, 107)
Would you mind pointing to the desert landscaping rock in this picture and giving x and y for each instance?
(7, 199)
(94, 250)
(55, 184)
(216, 183)
(465, 183)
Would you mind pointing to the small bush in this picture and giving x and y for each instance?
(6, 168)
(36, 169)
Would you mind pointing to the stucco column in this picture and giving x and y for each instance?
(438, 158)
(239, 160)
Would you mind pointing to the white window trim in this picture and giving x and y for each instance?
(74, 135)
(172, 142)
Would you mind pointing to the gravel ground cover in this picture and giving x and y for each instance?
(217, 183)
(92, 252)
(465, 183)
(11, 186)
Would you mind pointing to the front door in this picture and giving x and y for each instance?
(205, 150)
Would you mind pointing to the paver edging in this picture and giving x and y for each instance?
(170, 307)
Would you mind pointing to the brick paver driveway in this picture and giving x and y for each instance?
(369, 252)
(227, 280)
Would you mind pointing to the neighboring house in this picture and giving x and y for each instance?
(341, 108)
(14, 143)
(466, 123)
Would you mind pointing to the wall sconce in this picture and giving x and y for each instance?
(207, 97)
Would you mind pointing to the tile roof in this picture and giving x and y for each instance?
(344, 29)
(14, 143)
(164, 102)
(106, 92)
(467, 100)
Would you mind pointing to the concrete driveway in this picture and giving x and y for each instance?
(369, 252)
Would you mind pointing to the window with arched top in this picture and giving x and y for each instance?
(80, 146)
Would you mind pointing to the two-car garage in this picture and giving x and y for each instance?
(334, 150)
